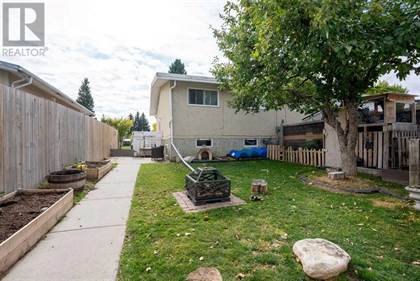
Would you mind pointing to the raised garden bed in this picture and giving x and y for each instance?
(96, 170)
(25, 217)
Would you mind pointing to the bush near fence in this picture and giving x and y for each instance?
(38, 136)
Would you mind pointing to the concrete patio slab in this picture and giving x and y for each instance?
(188, 206)
(86, 244)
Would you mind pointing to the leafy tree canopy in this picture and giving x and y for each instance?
(384, 87)
(123, 126)
(85, 97)
(316, 55)
(177, 67)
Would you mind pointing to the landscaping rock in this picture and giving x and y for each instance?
(205, 274)
(320, 258)
(336, 175)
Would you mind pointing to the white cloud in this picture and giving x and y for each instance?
(120, 45)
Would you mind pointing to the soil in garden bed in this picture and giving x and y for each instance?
(19, 210)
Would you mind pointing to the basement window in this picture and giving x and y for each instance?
(203, 97)
(250, 142)
(203, 143)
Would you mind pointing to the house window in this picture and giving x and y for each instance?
(250, 142)
(204, 143)
(404, 112)
(372, 112)
(203, 97)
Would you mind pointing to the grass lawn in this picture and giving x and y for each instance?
(255, 240)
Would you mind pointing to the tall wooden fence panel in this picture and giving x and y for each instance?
(312, 157)
(371, 149)
(38, 136)
(383, 150)
(400, 147)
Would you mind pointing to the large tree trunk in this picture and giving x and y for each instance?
(345, 124)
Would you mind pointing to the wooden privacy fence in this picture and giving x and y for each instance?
(383, 150)
(371, 148)
(302, 156)
(38, 136)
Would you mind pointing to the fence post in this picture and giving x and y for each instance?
(386, 149)
(414, 162)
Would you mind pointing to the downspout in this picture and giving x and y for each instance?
(27, 78)
(172, 132)
(14, 83)
(24, 84)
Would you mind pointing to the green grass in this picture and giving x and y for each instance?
(251, 239)
(79, 195)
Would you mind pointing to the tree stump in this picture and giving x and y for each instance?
(259, 186)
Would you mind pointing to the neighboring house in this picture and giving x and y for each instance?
(191, 111)
(15, 76)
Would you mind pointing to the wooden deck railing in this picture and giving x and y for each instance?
(302, 156)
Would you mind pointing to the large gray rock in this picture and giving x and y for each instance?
(205, 274)
(320, 258)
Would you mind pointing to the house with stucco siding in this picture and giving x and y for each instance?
(195, 115)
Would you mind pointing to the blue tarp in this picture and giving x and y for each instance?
(254, 152)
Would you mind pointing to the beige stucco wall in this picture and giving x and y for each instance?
(164, 111)
(192, 121)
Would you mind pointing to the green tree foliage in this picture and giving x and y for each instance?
(154, 127)
(141, 123)
(85, 97)
(177, 67)
(123, 126)
(315, 55)
(384, 87)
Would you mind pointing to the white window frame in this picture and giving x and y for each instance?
(256, 142)
(204, 146)
(203, 89)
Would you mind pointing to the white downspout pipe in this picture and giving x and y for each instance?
(14, 83)
(172, 132)
(24, 84)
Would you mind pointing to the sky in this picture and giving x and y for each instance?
(120, 45)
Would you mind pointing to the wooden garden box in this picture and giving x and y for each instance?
(96, 170)
(15, 246)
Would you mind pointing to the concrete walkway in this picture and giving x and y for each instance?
(86, 244)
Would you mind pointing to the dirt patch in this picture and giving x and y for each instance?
(387, 204)
(19, 210)
(348, 182)
(350, 185)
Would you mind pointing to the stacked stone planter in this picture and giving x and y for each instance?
(414, 194)
(414, 171)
